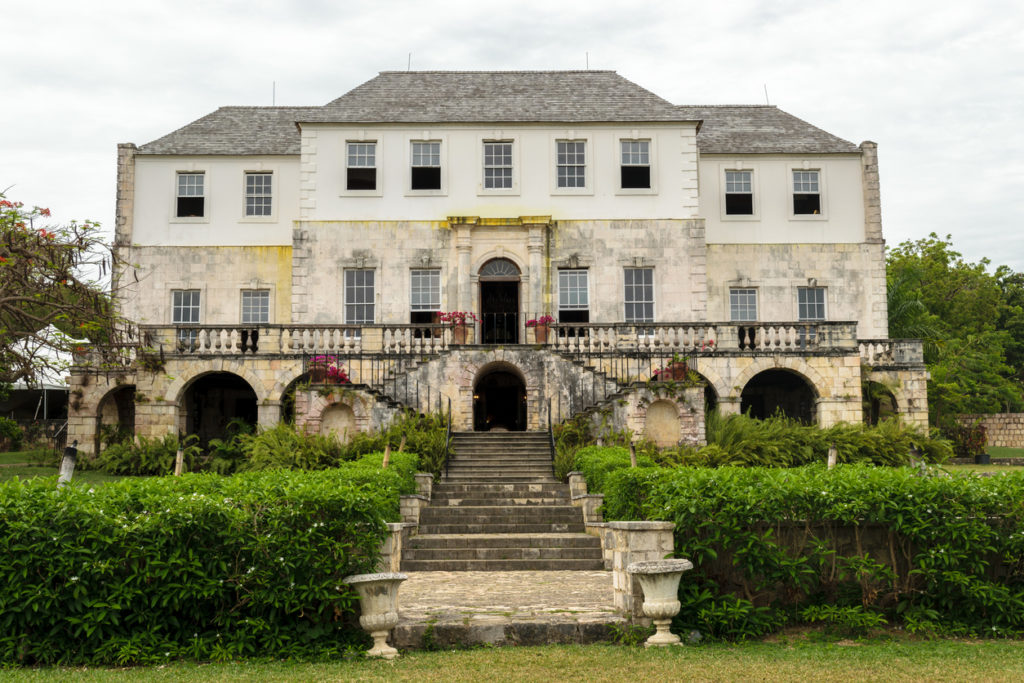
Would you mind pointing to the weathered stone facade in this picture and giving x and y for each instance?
(1002, 429)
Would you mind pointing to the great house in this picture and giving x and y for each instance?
(515, 247)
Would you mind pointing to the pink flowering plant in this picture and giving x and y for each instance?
(330, 369)
(543, 320)
(456, 318)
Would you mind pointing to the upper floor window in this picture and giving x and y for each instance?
(573, 296)
(636, 164)
(739, 193)
(191, 202)
(361, 169)
(426, 166)
(255, 306)
(185, 311)
(359, 297)
(639, 295)
(806, 192)
(258, 194)
(425, 297)
(810, 303)
(742, 304)
(498, 165)
(571, 163)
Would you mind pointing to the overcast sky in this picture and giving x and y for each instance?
(940, 89)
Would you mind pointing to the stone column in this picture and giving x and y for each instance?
(536, 306)
(464, 247)
(728, 405)
(268, 413)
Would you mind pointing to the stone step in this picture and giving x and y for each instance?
(500, 565)
(500, 456)
(515, 479)
(527, 470)
(498, 502)
(503, 528)
(525, 514)
(484, 488)
(459, 541)
(501, 554)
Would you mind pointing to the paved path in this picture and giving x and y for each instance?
(451, 609)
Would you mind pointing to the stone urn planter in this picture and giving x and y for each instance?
(660, 582)
(378, 601)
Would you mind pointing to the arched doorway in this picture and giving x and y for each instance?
(213, 401)
(115, 417)
(499, 302)
(879, 403)
(779, 391)
(499, 402)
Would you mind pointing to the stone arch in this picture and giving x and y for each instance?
(176, 390)
(286, 376)
(494, 255)
(662, 422)
(794, 365)
(500, 398)
(116, 406)
(780, 390)
(310, 418)
(714, 380)
(209, 401)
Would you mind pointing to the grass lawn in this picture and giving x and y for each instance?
(982, 468)
(783, 659)
(29, 471)
(1004, 452)
(34, 456)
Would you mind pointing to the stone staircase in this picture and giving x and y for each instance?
(499, 508)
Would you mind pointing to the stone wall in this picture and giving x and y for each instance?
(1002, 429)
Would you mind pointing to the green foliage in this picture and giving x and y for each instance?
(890, 541)
(580, 431)
(851, 620)
(11, 435)
(149, 456)
(596, 462)
(198, 566)
(969, 441)
(284, 447)
(971, 321)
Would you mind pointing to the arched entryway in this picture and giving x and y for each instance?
(499, 302)
(213, 401)
(115, 417)
(779, 391)
(499, 402)
(879, 403)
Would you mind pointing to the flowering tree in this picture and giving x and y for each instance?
(51, 301)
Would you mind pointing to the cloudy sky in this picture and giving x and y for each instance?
(941, 90)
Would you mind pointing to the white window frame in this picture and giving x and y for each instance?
(737, 307)
(587, 187)
(263, 306)
(378, 154)
(636, 136)
(187, 337)
(626, 300)
(499, 139)
(246, 196)
(433, 289)
(441, 142)
(803, 167)
(205, 218)
(800, 304)
(724, 171)
(566, 288)
(352, 290)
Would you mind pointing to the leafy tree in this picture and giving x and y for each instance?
(51, 301)
(970, 320)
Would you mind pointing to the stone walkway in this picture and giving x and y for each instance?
(460, 609)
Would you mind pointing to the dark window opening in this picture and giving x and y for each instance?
(739, 204)
(191, 207)
(362, 179)
(636, 177)
(806, 204)
(425, 318)
(568, 318)
(426, 178)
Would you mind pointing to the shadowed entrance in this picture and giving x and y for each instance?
(499, 402)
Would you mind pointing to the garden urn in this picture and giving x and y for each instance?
(378, 600)
(659, 580)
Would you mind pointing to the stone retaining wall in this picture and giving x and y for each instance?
(1003, 429)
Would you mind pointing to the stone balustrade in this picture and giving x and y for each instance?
(888, 352)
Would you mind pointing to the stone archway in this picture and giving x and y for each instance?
(775, 391)
(115, 416)
(210, 402)
(499, 399)
(879, 402)
(500, 296)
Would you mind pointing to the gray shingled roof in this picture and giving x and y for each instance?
(760, 129)
(235, 130)
(497, 97)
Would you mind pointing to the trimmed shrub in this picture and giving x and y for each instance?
(936, 553)
(199, 566)
(11, 435)
(597, 462)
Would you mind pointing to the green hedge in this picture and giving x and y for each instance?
(937, 553)
(199, 566)
(597, 462)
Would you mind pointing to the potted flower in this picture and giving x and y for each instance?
(459, 322)
(327, 370)
(540, 328)
(676, 369)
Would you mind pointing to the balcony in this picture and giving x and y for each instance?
(590, 338)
